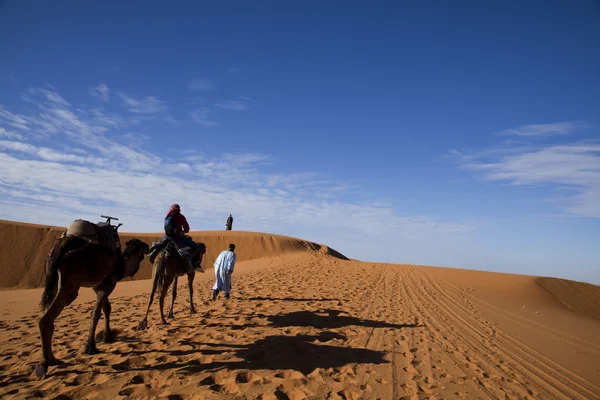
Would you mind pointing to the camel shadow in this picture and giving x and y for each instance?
(321, 319)
(303, 353)
(288, 299)
(329, 319)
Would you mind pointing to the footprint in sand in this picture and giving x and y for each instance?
(100, 379)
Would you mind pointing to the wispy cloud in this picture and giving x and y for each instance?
(104, 119)
(201, 84)
(47, 154)
(82, 173)
(574, 166)
(243, 103)
(56, 119)
(146, 105)
(203, 116)
(52, 97)
(10, 134)
(234, 105)
(101, 91)
(557, 128)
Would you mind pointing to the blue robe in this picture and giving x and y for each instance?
(224, 263)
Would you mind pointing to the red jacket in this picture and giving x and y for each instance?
(180, 222)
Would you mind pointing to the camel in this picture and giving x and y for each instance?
(76, 262)
(167, 267)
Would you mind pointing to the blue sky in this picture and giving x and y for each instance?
(463, 135)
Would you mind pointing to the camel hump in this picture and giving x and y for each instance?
(100, 233)
(82, 228)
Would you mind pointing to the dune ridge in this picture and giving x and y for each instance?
(580, 297)
(25, 247)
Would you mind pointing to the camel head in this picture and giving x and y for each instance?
(134, 253)
(201, 252)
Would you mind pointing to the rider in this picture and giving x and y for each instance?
(176, 227)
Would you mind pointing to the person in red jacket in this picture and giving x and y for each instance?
(176, 227)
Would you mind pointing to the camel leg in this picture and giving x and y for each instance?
(173, 296)
(106, 309)
(144, 322)
(191, 290)
(46, 327)
(102, 293)
(161, 303)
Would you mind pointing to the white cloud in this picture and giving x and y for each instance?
(105, 120)
(225, 189)
(203, 116)
(134, 139)
(58, 121)
(574, 166)
(50, 96)
(201, 84)
(13, 120)
(101, 91)
(146, 105)
(234, 105)
(557, 128)
(48, 154)
(88, 174)
(10, 134)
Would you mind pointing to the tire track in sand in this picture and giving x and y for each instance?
(454, 374)
(551, 380)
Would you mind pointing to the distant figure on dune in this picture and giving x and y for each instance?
(224, 265)
(229, 223)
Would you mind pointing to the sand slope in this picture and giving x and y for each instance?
(306, 325)
(25, 247)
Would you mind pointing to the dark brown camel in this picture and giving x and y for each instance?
(73, 263)
(167, 267)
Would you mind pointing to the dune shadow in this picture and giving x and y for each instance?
(328, 251)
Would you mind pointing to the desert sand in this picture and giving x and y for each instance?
(304, 322)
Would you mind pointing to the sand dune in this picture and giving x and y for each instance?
(25, 248)
(303, 324)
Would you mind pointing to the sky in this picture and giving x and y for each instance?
(461, 134)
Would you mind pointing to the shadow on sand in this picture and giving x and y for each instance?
(288, 299)
(323, 319)
(329, 319)
(303, 353)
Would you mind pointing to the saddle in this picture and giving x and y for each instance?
(182, 252)
(102, 233)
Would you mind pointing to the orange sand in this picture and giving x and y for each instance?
(305, 323)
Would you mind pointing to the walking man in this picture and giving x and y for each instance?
(229, 223)
(224, 265)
